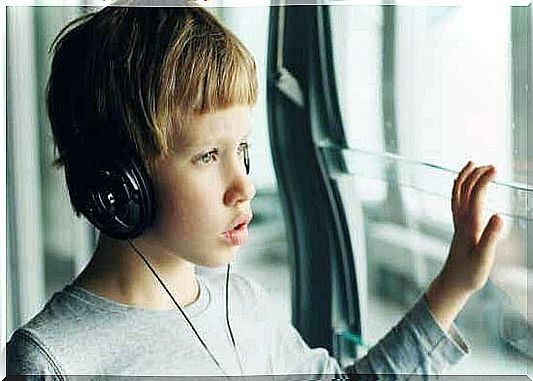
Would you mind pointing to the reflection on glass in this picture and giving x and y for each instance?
(452, 84)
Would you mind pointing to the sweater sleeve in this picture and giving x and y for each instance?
(26, 357)
(416, 345)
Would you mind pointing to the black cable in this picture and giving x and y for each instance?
(187, 319)
(227, 321)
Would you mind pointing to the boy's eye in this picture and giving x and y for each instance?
(208, 157)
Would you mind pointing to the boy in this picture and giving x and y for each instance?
(150, 112)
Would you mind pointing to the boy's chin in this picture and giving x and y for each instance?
(218, 260)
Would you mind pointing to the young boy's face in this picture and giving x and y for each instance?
(203, 188)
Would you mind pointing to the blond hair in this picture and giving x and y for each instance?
(128, 78)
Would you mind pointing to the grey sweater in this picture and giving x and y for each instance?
(81, 333)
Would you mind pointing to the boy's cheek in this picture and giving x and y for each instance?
(188, 220)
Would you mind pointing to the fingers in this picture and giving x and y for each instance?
(488, 240)
(471, 182)
(457, 184)
(479, 192)
(468, 197)
(465, 183)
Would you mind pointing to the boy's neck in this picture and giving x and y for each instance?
(118, 273)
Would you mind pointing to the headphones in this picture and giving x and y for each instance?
(115, 193)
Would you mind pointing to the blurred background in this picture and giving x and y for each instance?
(422, 90)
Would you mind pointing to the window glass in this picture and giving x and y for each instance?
(422, 91)
(360, 89)
(49, 257)
(453, 88)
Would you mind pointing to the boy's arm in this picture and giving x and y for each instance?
(472, 250)
(415, 346)
(425, 341)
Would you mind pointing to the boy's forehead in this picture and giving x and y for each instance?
(214, 127)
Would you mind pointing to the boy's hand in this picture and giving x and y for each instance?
(472, 249)
(471, 253)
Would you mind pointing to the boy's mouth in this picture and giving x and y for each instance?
(240, 222)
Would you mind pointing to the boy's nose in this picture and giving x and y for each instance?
(241, 190)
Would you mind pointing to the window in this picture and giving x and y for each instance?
(422, 90)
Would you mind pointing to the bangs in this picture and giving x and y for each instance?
(203, 71)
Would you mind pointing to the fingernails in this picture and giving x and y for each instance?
(496, 219)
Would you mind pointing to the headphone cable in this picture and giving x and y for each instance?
(187, 319)
(227, 322)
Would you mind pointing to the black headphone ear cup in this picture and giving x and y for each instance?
(143, 196)
(115, 196)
